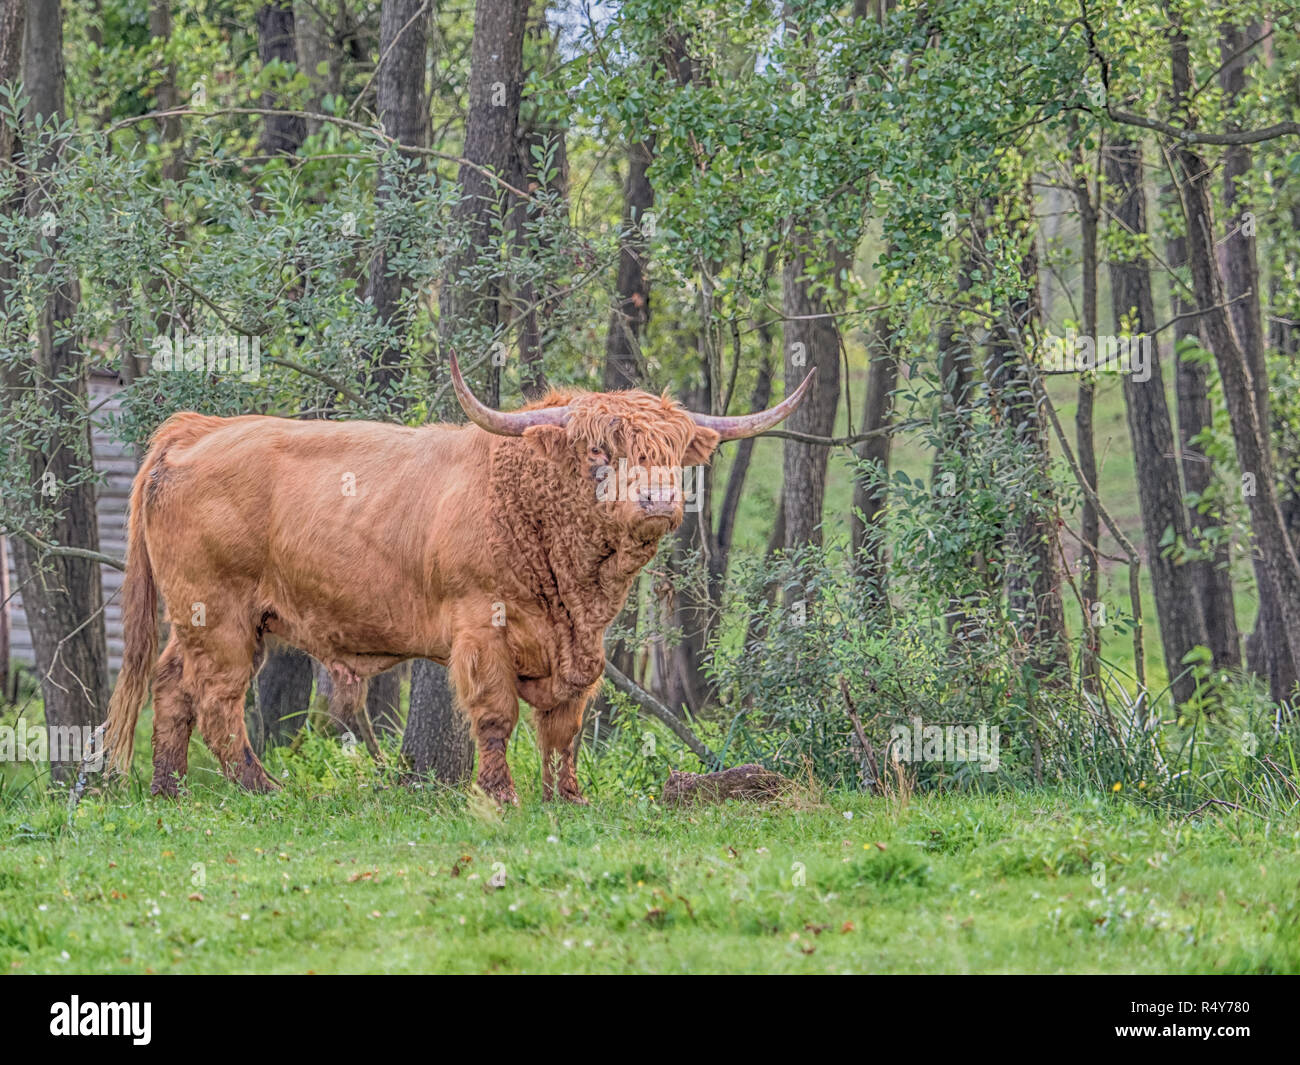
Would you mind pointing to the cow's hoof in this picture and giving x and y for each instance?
(257, 781)
(575, 797)
(501, 794)
(494, 781)
(166, 787)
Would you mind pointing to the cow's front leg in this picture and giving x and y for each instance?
(484, 681)
(557, 734)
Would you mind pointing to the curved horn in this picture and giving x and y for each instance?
(502, 423)
(752, 424)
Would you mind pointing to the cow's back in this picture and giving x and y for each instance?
(326, 525)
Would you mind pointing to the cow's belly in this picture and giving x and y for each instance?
(361, 636)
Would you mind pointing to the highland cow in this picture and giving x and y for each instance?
(486, 547)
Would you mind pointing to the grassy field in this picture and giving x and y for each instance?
(349, 878)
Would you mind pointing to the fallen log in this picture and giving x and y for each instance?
(748, 782)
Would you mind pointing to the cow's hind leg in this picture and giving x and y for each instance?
(224, 667)
(557, 734)
(174, 713)
(484, 682)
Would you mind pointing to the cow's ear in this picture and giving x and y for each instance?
(549, 441)
(701, 447)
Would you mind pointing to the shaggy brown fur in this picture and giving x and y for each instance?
(367, 544)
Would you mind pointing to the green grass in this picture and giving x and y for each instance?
(351, 878)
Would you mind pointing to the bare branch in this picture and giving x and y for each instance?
(656, 709)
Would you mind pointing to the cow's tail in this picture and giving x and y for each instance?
(139, 634)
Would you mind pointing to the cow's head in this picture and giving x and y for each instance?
(624, 451)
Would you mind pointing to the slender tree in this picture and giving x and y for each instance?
(1268, 655)
(1277, 563)
(1164, 517)
(627, 324)
(811, 340)
(631, 313)
(1032, 573)
(1213, 574)
(542, 166)
(12, 18)
(403, 108)
(282, 134)
(869, 491)
(491, 125)
(62, 595)
(1086, 202)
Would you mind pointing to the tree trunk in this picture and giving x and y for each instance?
(1182, 625)
(63, 597)
(623, 367)
(384, 702)
(1279, 565)
(495, 84)
(687, 609)
(540, 143)
(166, 98)
(403, 111)
(812, 339)
(1032, 573)
(958, 397)
(284, 682)
(1268, 655)
(283, 698)
(1085, 443)
(437, 740)
(317, 57)
(1212, 576)
(12, 17)
(627, 322)
(281, 134)
(870, 491)
(1285, 331)
(760, 399)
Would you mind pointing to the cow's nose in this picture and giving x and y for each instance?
(660, 510)
(660, 499)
